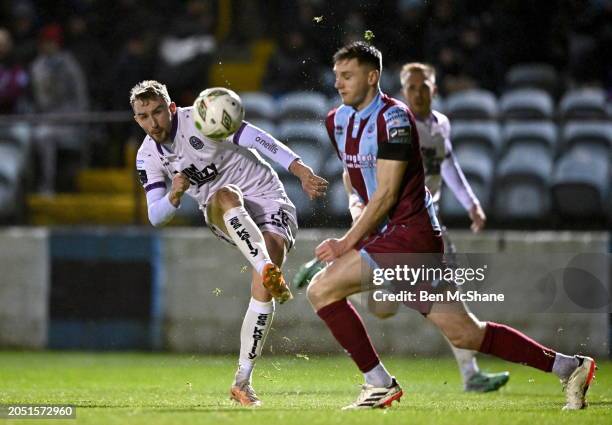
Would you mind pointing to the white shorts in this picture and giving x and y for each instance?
(270, 215)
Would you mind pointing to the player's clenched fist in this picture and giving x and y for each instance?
(180, 183)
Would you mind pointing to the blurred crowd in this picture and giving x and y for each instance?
(78, 55)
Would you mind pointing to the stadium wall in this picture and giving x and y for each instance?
(199, 291)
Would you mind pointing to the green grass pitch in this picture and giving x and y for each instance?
(151, 389)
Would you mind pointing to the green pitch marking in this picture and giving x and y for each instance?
(152, 389)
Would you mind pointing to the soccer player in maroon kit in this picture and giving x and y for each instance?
(376, 139)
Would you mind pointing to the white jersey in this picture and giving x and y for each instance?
(439, 161)
(211, 164)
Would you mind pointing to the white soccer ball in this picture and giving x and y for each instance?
(218, 112)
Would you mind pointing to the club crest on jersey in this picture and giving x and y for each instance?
(370, 129)
(196, 143)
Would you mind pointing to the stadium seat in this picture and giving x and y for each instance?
(303, 106)
(477, 166)
(587, 103)
(258, 105)
(533, 75)
(265, 125)
(303, 131)
(522, 183)
(526, 104)
(390, 82)
(543, 133)
(12, 163)
(472, 105)
(332, 166)
(337, 199)
(18, 134)
(304, 206)
(486, 134)
(581, 183)
(310, 154)
(593, 133)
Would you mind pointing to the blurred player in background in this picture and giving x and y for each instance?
(419, 87)
(243, 200)
(375, 138)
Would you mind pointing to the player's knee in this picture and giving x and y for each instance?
(228, 197)
(317, 292)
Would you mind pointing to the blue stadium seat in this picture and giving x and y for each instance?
(333, 166)
(533, 75)
(526, 104)
(265, 125)
(18, 134)
(477, 165)
(586, 103)
(589, 133)
(581, 182)
(543, 133)
(486, 134)
(337, 199)
(311, 154)
(304, 105)
(522, 183)
(472, 105)
(305, 131)
(12, 163)
(259, 105)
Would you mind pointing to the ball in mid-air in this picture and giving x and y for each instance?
(218, 112)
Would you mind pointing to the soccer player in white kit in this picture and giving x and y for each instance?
(243, 200)
(418, 87)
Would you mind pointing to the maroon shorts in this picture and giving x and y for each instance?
(397, 245)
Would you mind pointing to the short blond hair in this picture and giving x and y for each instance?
(149, 89)
(428, 71)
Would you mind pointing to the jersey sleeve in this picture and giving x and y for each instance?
(252, 137)
(453, 175)
(395, 134)
(330, 126)
(150, 173)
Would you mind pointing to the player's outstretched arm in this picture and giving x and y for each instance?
(389, 176)
(313, 185)
(455, 179)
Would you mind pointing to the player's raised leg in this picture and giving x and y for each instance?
(255, 327)
(327, 293)
(226, 212)
(465, 331)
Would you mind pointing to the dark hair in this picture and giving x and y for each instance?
(363, 52)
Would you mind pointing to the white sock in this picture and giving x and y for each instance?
(247, 237)
(564, 365)
(379, 377)
(466, 360)
(255, 327)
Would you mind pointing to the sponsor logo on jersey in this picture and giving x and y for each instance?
(400, 135)
(142, 176)
(272, 147)
(359, 161)
(196, 143)
(200, 177)
(339, 130)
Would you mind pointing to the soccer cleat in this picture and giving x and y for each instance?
(372, 397)
(577, 385)
(244, 394)
(306, 272)
(482, 382)
(274, 282)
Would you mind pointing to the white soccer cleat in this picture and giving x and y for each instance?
(577, 385)
(372, 397)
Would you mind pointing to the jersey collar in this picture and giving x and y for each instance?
(367, 111)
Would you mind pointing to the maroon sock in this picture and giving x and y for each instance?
(509, 344)
(345, 324)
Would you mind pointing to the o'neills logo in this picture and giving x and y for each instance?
(272, 147)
